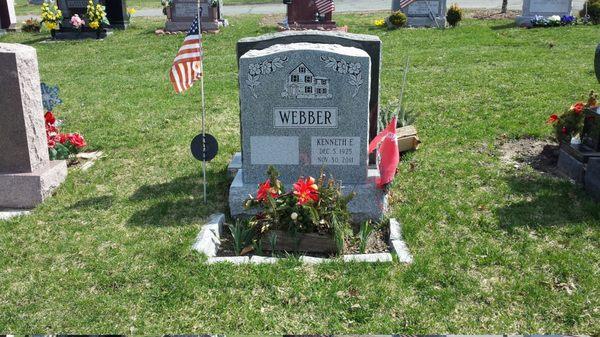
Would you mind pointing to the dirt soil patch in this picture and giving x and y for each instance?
(377, 243)
(541, 155)
(491, 14)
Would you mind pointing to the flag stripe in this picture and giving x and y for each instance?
(187, 65)
(325, 6)
(404, 3)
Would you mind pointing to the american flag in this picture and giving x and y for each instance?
(187, 66)
(325, 6)
(404, 3)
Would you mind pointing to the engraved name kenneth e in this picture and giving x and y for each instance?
(305, 117)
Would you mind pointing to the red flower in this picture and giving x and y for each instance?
(49, 117)
(51, 129)
(577, 107)
(553, 119)
(62, 138)
(306, 190)
(77, 140)
(564, 130)
(51, 142)
(264, 189)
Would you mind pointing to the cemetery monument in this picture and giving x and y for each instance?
(8, 18)
(597, 63)
(27, 176)
(544, 8)
(423, 13)
(305, 108)
(181, 14)
(116, 13)
(67, 31)
(304, 14)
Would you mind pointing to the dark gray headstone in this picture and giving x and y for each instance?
(592, 178)
(183, 12)
(570, 166)
(371, 44)
(8, 18)
(116, 13)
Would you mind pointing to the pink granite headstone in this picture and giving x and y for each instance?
(27, 176)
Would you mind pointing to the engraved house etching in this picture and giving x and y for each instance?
(302, 83)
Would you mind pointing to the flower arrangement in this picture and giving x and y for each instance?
(61, 146)
(395, 20)
(51, 16)
(213, 3)
(313, 206)
(77, 22)
(380, 23)
(553, 21)
(96, 15)
(570, 123)
(454, 15)
(31, 25)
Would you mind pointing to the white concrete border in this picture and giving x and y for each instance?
(208, 241)
(6, 214)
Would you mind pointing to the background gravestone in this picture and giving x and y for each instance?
(116, 13)
(424, 13)
(545, 8)
(182, 14)
(597, 62)
(8, 19)
(305, 108)
(301, 14)
(26, 174)
(67, 31)
(371, 44)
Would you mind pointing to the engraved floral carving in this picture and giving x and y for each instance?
(346, 68)
(264, 68)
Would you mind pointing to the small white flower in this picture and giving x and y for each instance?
(554, 18)
(294, 216)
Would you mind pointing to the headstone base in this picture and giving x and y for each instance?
(523, 21)
(439, 22)
(369, 203)
(72, 34)
(178, 26)
(27, 190)
(313, 26)
(592, 177)
(570, 166)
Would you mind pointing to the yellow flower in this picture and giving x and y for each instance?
(94, 25)
(380, 23)
(131, 11)
(50, 25)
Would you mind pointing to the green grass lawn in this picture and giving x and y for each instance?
(496, 249)
(22, 7)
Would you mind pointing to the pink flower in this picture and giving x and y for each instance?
(76, 21)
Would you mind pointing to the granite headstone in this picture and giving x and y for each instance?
(67, 31)
(181, 14)
(424, 13)
(8, 18)
(545, 8)
(303, 14)
(371, 44)
(116, 13)
(27, 176)
(305, 108)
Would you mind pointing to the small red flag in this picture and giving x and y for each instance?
(388, 152)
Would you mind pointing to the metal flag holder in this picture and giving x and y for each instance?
(204, 147)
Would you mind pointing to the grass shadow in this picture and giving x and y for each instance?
(545, 201)
(504, 26)
(180, 201)
(101, 202)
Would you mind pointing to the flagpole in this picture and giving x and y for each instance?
(203, 102)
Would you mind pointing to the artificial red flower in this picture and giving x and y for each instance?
(62, 138)
(49, 117)
(577, 107)
(564, 130)
(553, 119)
(77, 140)
(51, 129)
(51, 142)
(306, 190)
(265, 189)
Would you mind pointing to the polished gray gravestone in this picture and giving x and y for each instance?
(27, 176)
(305, 108)
(592, 178)
(67, 31)
(116, 13)
(597, 62)
(424, 13)
(371, 44)
(545, 8)
(183, 12)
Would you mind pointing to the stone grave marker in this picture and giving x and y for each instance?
(371, 44)
(8, 18)
(181, 14)
(27, 176)
(545, 8)
(424, 13)
(116, 13)
(67, 31)
(303, 14)
(305, 108)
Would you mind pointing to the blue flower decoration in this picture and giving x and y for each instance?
(50, 97)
